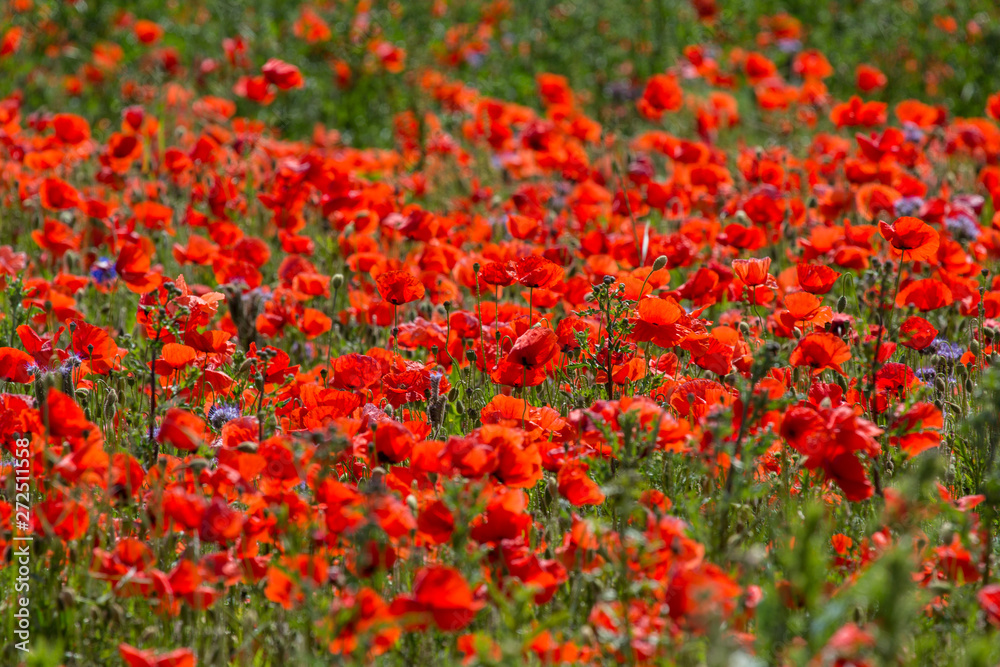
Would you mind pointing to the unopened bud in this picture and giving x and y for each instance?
(660, 262)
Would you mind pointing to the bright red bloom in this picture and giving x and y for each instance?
(819, 351)
(399, 287)
(283, 75)
(916, 333)
(910, 239)
(134, 657)
(534, 348)
(662, 94)
(539, 273)
(440, 595)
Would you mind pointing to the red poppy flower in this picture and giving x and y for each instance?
(538, 273)
(576, 486)
(916, 333)
(534, 348)
(15, 365)
(820, 350)
(283, 75)
(399, 287)
(816, 278)
(989, 601)
(58, 195)
(498, 273)
(926, 294)
(70, 129)
(662, 94)
(134, 657)
(441, 595)
(94, 346)
(910, 239)
(182, 429)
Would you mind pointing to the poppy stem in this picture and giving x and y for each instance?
(524, 395)
(152, 397)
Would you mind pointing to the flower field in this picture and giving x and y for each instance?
(499, 332)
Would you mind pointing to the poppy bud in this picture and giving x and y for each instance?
(968, 385)
(67, 597)
(975, 347)
(111, 403)
(811, 202)
(453, 394)
(660, 262)
(742, 218)
(608, 280)
(198, 464)
(939, 384)
(841, 304)
(411, 502)
(460, 407)
(995, 358)
(797, 332)
(744, 328)
(247, 447)
(476, 267)
(337, 280)
(245, 367)
(470, 355)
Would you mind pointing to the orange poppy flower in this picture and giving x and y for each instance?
(754, 272)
